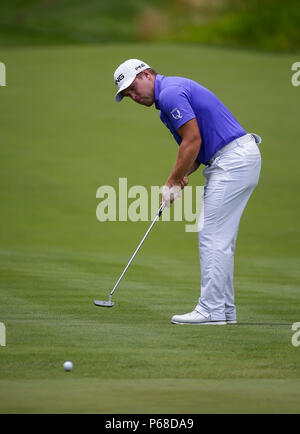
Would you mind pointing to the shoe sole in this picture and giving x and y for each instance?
(201, 323)
(231, 322)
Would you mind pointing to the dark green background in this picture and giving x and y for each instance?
(271, 25)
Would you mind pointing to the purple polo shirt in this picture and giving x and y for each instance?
(180, 100)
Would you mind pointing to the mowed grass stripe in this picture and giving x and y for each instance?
(164, 396)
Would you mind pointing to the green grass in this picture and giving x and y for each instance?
(63, 136)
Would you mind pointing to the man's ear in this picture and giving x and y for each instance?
(147, 74)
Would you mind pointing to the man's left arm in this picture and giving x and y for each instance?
(187, 153)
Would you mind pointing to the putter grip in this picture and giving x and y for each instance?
(161, 209)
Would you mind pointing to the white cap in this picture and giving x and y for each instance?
(126, 73)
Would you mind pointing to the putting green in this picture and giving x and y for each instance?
(62, 137)
(166, 396)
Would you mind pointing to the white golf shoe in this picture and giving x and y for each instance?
(196, 318)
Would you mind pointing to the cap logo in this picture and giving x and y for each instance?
(119, 78)
(140, 66)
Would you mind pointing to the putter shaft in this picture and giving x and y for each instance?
(159, 213)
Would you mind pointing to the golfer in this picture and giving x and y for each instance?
(207, 133)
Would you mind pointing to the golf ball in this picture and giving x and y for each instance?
(68, 366)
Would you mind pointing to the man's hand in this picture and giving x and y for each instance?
(170, 193)
(184, 182)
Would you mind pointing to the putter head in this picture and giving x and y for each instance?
(104, 303)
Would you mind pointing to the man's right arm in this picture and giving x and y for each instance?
(194, 167)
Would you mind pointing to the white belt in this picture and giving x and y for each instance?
(234, 144)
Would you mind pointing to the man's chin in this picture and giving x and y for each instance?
(148, 103)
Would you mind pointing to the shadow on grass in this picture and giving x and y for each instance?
(261, 324)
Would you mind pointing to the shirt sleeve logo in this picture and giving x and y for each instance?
(176, 113)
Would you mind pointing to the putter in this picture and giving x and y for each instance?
(110, 303)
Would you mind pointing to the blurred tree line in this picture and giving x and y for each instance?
(272, 25)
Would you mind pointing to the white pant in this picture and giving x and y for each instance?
(229, 182)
